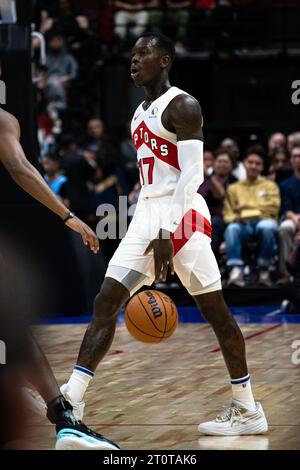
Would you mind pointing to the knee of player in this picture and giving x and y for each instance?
(106, 305)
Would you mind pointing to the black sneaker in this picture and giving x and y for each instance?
(80, 437)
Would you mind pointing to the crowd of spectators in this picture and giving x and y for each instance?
(253, 196)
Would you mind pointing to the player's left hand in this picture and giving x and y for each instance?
(163, 252)
(87, 234)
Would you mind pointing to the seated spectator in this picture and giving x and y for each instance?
(280, 168)
(276, 140)
(53, 175)
(95, 134)
(79, 170)
(62, 68)
(62, 17)
(292, 140)
(251, 208)
(213, 189)
(238, 169)
(176, 15)
(99, 144)
(290, 225)
(208, 161)
(130, 16)
(128, 158)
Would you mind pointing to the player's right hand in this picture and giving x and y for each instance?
(87, 234)
(163, 252)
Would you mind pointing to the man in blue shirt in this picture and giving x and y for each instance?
(290, 196)
(53, 175)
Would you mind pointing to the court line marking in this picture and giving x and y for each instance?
(258, 333)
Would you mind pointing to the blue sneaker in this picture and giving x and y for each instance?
(80, 437)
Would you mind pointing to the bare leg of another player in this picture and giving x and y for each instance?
(71, 434)
(244, 416)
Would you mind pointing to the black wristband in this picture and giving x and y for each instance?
(71, 215)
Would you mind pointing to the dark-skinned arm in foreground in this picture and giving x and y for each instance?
(28, 178)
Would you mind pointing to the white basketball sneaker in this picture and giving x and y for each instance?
(78, 407)
(236, 421)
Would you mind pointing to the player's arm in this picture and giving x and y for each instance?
(184, 117)
(28, 178)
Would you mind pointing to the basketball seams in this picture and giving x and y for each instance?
(138, 296)
(170, 329)
(141, 331)
(166, 317)
(176, 319)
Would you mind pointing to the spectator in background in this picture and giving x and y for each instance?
(45, 125)
(62, 17)
(279, 168)
(213, 189)
(130, 15)
(292, 140)
(62, 69)
(238, 169)
(53, 175)
(251, 208)
(276, 140)
(79, 170)
(95, 134)
(208, 161)
(176, 15)
(290, 225)
(98, 143)
(128, 158)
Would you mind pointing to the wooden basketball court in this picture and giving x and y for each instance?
(154, 396)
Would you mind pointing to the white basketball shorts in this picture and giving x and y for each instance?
(194, 260)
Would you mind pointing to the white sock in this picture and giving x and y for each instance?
(78, 383)
(242, 392)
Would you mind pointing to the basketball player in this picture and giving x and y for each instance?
(70, 432)
(167, 132)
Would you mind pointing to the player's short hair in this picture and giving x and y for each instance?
(162, 42)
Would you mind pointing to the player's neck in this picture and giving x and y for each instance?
(157, 88)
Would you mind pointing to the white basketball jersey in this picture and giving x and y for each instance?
(157, 149)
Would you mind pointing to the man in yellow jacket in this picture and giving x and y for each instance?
(251, 208)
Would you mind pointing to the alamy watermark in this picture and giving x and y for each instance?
(2, 352)
(295, 358)
(2, 92)
(296, 94)
(146, 218)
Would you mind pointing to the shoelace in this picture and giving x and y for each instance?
(229, 414)
(90, 431)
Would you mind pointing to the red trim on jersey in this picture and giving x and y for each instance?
(192, 222)
(171, 158)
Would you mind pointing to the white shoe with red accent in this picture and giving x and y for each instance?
(236, 421)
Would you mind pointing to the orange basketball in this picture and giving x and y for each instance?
(151, 316)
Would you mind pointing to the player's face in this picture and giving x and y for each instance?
(147, 62)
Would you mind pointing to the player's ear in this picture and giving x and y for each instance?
(165, 61)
